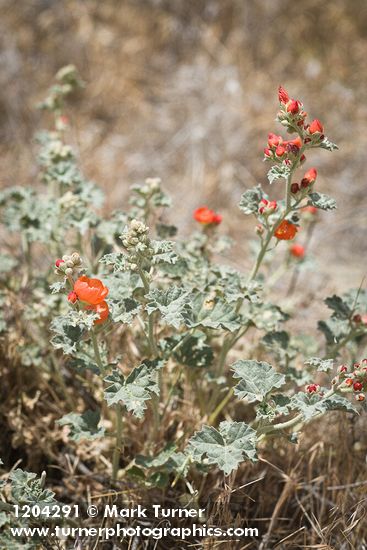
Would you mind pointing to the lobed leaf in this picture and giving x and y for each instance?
(134, 390)
(83, 426)
(250, 199)
(322, 201)
(171, 303)
(257, 379)
(227, 447)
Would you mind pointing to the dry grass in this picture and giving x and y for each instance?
(186, 90)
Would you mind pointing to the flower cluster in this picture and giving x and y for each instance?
(68, 265)
(355, 380)
(267, 207)
(206, 216)
(279, 149)
(137, 243)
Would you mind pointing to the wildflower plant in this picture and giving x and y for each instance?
(149, 322)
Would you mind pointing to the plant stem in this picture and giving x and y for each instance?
(153, 351)
(151, 339)
(220, 407)
(118, 445)
(293, 421)
(97, 354)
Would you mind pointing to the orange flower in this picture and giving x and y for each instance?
(102, 310)
(91, 291)
(297, 250)
(205, 216)
(285, 231)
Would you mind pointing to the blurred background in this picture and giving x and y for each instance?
(187, 90)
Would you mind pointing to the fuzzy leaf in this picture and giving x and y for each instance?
(328, 145)
(322, 201)
(340, 308)
(134, 390)
(163, 252)
(125, 311)
(277, 340)
(257, 379)
(58, 286)
(69, 329)
(168, 459)
(82, 426)
(226, 447)
(212, 314)
(277, 405)
(277, 172)
(250, 199)
(266, 316)
(311, 405)
(27, 489)
(171, 304)
(116, 259)
(322, 365)
(194, 352)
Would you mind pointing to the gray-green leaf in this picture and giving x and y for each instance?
(226, 447)
(171, 304)
(257, 379)
(134, 390)
(322, 201)
(82, 426)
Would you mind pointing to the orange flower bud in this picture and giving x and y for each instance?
(59, 262)
(310, 210)
(102, 310)
(309, 178)
(286, 231)
(283, 95)
(293, 106)
(72, 297)
(297, 250)
(259, 229)
(359, 397)
(274, 140)
(91, 291)
(279, 151)
(267, 207)
(297, 142)
(316, 127)
(205, 216)
(267, 153)
(312, 388)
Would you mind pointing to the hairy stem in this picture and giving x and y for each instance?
(269, 430)
(118, 444)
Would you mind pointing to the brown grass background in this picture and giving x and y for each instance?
(186, 90)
